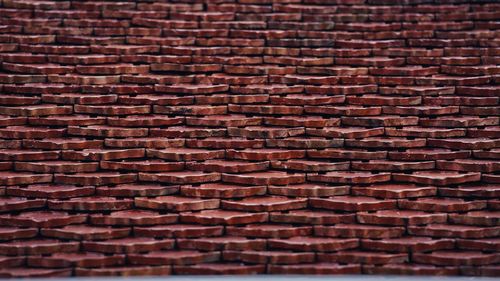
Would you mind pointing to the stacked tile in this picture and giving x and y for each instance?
(249, 137)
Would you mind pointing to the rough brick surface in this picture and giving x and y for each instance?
(157, 137)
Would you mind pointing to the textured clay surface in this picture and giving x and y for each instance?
(158, 137)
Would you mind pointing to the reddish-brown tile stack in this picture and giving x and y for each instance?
(249, 136)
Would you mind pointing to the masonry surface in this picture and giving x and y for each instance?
(249, 137)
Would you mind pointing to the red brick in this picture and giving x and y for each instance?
(268, 231)
(264, 204)
(401, 217)
(59, 260)
(359, 231)
(484, 218)
(454, 231)
(316, 217)
(41, 219)
(408, 244)
(176, 203)
(50, 191)
(395, 191)
(84, 232)
(221, 243)
(173, 257)
(217, 190)
(37, 247)
(372, 258)
(133, 217)
(127, 245)
(185, 154)
(269, 257)
(316, 268)
(317, 244)
(124, 271)
(440, 178)
(179, 231)
(220, 268)
(182, 177)
(223, 217)
(457, 258)
(90, 204)
(441, 205)
(14, 233)
(350, 177)
(228, 166)
(412, 269)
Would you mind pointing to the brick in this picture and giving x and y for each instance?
(98, 178)
(354, 154)
(185, 154)
(317, 244)
(308, 190)
(316, 268)
(143, 166)
(173, 257)
(83, 232)
(220, 268)
(359, 231)
(107, 131)
(75, 260)
(441, 205)
(383, 165)
(176, 203)
(225, 143)
(424, 132)
(223, 166)
(268, 231)
(264, 154)
(102, 154)
(309, 165)
(181, 177)
(407, 244)
(350, 203)
(12, 204)
(124, 271)
(41, 219)
(484, 218)
(302, 121)
(401, 217)
(454, 231)
(314, 217)
(363, 257)
(265, 132)
(179, 231)
(232, 120)
(349, 177)
(228, 243)
(264, 178)
(63, 144)
(427, 154)
(50, 191)
(269, 257)
(56, 167)
(404, 269)
(487, 245)
(458, 258)
(345, 132)
(223, 217)
(37, 247)
(437, 177)
(464, 143)
(385, 143)
(90, 204)
(217, 190)
(14, 178)
(264, 204)
(140, 190)
(14, 233)
(133, 217)
(394, 191)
